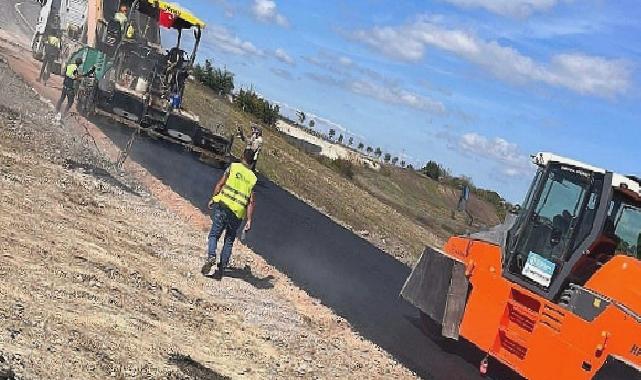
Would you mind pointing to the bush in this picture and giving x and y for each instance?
(342, 167)
(219, 80)
(248, 101)
(434, 170)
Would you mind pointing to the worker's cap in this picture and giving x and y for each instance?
(78, 61)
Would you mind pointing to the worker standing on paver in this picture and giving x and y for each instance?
(51, 53)
(233, 199)
(121, 17)
(254, 144)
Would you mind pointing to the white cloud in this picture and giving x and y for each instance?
(390, 94)
(345, 61)
(285, 74)
(513, 8)
(580, 73)
(395, 95)
(221, 38)
(282, 56)
(513, 162)
(266, 11)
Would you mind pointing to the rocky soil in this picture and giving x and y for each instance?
(98, 279)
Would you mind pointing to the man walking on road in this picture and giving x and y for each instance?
(233, 199)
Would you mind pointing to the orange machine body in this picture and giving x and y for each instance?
(540, 339)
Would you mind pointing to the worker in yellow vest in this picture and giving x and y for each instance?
(72, 74)
(51, 53)
(126, 29)
(233, 200)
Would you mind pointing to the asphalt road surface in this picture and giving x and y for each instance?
(357, 280)
(19, 17)
(347, 273)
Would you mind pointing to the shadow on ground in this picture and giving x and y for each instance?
(462, 348)
(7, 375)
(248, 276)
(194, 369)
(99, 173)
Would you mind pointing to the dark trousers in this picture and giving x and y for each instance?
(252, 164)
(223, 219)
(45, 70)
(68, 93)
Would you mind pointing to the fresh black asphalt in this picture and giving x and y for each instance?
(357, 280)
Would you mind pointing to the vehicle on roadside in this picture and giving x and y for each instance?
(554, 292)
(68, 16)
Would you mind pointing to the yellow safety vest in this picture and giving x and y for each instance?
(53, 41)
(237, 189)
(70, 69)
(121, 18)
(130, 32)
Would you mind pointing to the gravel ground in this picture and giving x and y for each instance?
(100, 280)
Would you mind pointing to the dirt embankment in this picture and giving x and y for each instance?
(100, 280)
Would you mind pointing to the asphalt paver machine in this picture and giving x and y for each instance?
(136, 78)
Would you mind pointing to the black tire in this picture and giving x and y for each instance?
(37, 55)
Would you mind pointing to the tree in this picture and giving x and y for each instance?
(378, 152)
(222, 81)
(394, 160)
(350, 141)
(361, 146)
(369, 150)
(219, 80)
(332, 133)
(301, 117)
(340, 139)
(312, 123)
(433, 170)
(199, 72)
(249, 102)
(387, 157)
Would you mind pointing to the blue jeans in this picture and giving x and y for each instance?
(223, 219)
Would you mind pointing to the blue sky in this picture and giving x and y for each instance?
(476, 85)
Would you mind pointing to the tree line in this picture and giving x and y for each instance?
(221, 81)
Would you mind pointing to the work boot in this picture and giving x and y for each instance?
(220, 272)
(208, 265)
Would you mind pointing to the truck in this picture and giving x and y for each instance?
(555, 291)
(68, 16)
